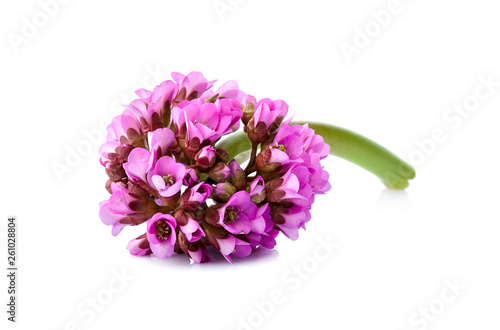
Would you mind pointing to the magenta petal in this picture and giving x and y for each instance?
(158, 182)
(291, 233)
(163, 138)
(107, 217)
(258, 225)
(241, 226)
(162, 251)
(227, 245)
(241, 198)
(278, 156)
(242, 251)
(117, 228)
(196, 255)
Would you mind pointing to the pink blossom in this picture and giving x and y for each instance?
(140, 162)
(267, 116)
(206, 157)
(125, 209)
(195, 196)
(194, 84)
(233, 247)
(192, 230)
(161, 140)
(139, 246)
(237, 214)
(161, 235)
(285, 187)
(167, 176)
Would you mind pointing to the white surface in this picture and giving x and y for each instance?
(397, 249)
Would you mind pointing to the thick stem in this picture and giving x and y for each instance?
(391, 170)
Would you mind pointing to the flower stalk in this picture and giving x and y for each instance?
(394, 172)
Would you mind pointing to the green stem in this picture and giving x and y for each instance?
(391, 170)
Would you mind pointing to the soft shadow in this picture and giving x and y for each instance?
(260, 255)
(394, 201)
(218, 261)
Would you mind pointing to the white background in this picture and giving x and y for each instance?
(397, 249)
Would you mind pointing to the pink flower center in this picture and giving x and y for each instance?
(279, 146)
(163, 230)
(231, 215)
(169, 180)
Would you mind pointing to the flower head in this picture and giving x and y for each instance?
(166, 169)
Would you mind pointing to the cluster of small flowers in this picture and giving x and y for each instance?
(165, 170)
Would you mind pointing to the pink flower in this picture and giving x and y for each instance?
(286, 148)
(125, 209)
(224, 191)
(248, 104)
(139, 246)
(262, 221)
(125, 129)
(193, 197)
(290, 219)
(190, 178)
(161, 140)
(313, 143)
(285, 187)
(195, 250)
(233, 247)
(268, 115)
(319, 178)
(237, 214)
(228, 245)
(194, 84)
(167, 176)
(200, 123)
(206, 157)
(228, 90)
(152, 109)
(161, 235)
(192, 230)
(140, 162)
(257, 190)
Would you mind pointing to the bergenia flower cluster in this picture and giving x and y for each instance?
(166, 171)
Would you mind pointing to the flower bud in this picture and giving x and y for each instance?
(182, 217)
(139, 246)
(212, 216)
(191, 177)
(224, 191)
(219, 172)
(222, 155)
(257, 190)
(267, 118)
(238, 177)
(195, 196)
(195, 250)
(267, 161)
(248, 107)
(205, 158)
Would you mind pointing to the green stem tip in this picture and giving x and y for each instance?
(389, 168)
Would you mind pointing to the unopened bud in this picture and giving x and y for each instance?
(205, 158)
(222, 155)
(248, 107)
(224, 191)
(219, 172)
(238, 177)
